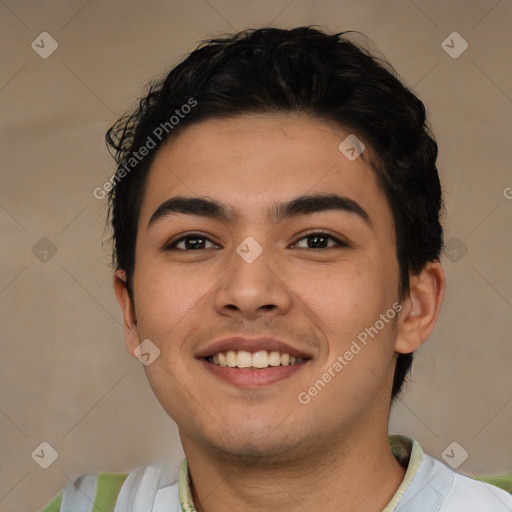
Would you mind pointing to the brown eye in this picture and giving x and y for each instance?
(320, 240)
(191, 242)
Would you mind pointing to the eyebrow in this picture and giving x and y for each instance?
(301, 205)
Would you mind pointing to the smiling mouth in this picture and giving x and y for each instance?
(244, 360)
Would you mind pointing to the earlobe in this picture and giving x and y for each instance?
(129, 320)
(421, 308)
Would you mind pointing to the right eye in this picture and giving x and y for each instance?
(192, 241)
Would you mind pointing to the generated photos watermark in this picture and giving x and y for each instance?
(304, 397)
(158, 133)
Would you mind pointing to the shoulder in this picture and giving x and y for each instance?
(470, 494)
(438, 487)
(88, 490)
(140, 489)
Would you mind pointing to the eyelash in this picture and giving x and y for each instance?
(339, 243)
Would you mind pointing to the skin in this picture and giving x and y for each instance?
(261, 449)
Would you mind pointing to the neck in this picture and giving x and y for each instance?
(354, 473)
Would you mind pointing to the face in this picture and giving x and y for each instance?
(314, 276)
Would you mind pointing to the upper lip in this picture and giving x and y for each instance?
(250, 345)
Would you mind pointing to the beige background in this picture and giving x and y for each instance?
(65, 375)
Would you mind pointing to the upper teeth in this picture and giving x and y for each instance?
(260, 359)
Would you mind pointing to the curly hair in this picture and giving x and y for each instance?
(298, 70)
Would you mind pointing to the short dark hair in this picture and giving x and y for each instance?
(298, 70)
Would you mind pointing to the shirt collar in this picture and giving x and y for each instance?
(184, 491)
(409, 454)
(406, 450)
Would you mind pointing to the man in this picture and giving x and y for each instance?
(277, 240)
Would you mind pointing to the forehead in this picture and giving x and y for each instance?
(251, 162)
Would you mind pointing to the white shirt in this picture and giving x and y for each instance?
(428, 486)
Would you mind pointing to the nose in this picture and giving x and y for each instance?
(252, 288)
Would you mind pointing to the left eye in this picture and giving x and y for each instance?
(318, 239)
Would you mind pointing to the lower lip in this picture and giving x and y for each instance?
(245, 378)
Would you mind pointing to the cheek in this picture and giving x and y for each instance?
(347, 304)
(343, 297)
(167, 300)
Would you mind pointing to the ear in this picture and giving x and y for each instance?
(421, 308)
(130, 322)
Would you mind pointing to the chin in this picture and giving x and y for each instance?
(257, 444)
(259, 452)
